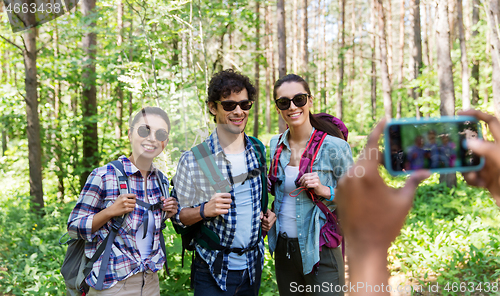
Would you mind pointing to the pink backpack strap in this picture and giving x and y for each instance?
(273, 170)
(309, 155)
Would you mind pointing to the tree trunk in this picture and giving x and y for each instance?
(415, 41)
(60, 172)
(340, 91)
(271, 46)
(465, 63)
(131, 58)
(323, 55)
(305, 52)
(401, 57)
(119, 86)
(295, 39)
(352, 75)
(269, 51)
(281, 50)
(445, 73)
(33, 128)
(389, 39)
(373, 36)
(386, 82)
(89, 99)
(475, 61)
(257, 69)
(4, 79)
(494, 20)
(452, 18)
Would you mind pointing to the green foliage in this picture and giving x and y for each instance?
(451, 235)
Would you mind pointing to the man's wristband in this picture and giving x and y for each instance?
(202, 212)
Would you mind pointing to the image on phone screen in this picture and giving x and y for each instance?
(435, 145)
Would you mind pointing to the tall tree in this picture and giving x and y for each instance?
(494, 20)
(465, 63)
(271, 46)
(281, 50)
(305, 52)
(415, 41)
(33, 128)
(89, 94)
(386, 81)
(475, 60)
(119, 86)
(340, 91)
(257, 69)
(60, 172)
(294, 37)
(445, 72)
(373, 36)
(269, 51)
(389, 38)
(401, 57)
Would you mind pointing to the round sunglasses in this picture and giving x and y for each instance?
(144, 130)
(299, 100)
(245, 105)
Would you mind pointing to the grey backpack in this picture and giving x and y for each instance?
(76, 266)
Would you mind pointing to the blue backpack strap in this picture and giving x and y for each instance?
(117, 223)
(206, 161)
(163, 183)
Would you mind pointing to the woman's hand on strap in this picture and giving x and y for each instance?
(169, 206)
(311, 180)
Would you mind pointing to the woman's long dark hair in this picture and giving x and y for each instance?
(322, 125)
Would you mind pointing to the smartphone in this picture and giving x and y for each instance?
(436, 144)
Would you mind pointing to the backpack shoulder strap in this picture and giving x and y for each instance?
(206, 161)
(105, 246)
(260, 149)
(309, 155)
(121, 175)
(273, 170)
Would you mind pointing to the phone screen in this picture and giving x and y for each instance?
(432, 145)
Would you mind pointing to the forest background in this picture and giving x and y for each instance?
(68, 87)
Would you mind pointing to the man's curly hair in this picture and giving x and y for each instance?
(229, 81)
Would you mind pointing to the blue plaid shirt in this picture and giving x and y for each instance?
(193, 188)
(99, 192)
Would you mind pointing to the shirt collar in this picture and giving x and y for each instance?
(131, 169)
(214, 143)
(284, 138)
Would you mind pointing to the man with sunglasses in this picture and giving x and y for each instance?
(234, 216)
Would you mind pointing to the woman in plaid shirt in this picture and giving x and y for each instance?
(136, 255)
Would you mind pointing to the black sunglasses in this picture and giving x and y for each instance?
(231, 105)
(144, 130)
(299, 100)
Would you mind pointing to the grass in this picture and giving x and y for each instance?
(451, 235)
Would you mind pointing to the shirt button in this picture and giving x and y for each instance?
(298, 216)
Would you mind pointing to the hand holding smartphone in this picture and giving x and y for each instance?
(435, 144)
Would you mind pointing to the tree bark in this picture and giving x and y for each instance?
(340, 91)
(401, 57)
(131, 58)
(305, 52)
(373, 36)
(257, 69)
(452, 18)
(386, 82)
(295, 40)
(271, 46)
(415, 41)
(33, 128)
(89, 94)
(475, 61)
(60, 172)
(281, 50)
(494, 20)
(465, 63)
(445, 73)
(119, 86)
(389, 39)
(269, 51)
